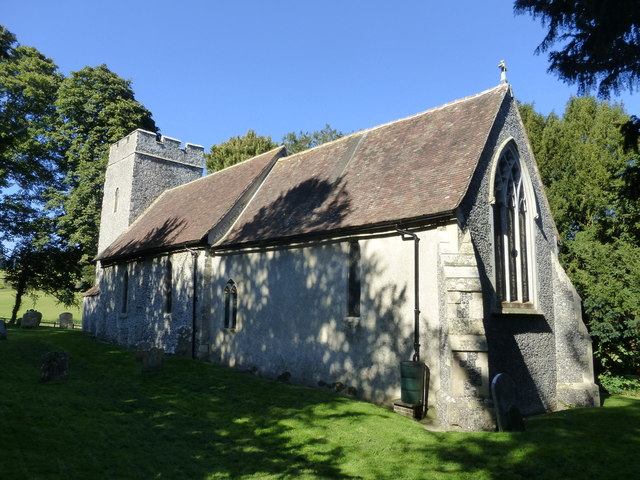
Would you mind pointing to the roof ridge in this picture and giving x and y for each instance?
(410, 117)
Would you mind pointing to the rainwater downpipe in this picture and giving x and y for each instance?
(194, 255)
(408, 236)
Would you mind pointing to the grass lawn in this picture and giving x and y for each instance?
(47, 305)
(198, 421)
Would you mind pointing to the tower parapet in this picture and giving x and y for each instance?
(159, 146)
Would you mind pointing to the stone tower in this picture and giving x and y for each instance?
(141, 166)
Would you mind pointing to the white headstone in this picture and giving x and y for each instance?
(66, 320)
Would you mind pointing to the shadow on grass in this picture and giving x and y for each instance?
(197, 421)
(572, 444)
(191, 420)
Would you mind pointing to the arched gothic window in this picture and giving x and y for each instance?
(230, 305)
(512, 219)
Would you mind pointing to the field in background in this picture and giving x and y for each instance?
(47, 305)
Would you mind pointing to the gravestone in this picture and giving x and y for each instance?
(152, 359)
(65, 320)
(508, 416)
(3, 330)
(31, 319)
(55, 366)
(141, 349)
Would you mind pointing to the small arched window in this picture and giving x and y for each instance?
(230, 305)
(512, 229)
(115, 200)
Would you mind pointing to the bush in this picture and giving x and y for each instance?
(620, 384)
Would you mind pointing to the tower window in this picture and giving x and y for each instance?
(115, 200)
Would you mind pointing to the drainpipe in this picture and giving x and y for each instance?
(408, 236)
(194, 255)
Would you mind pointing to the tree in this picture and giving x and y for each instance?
(237, 149)
(41, 262)
(54, 138)
(30, 165)
(599, 41)
(28, 85)
(589, 179)
(95, 108)
(298, 142)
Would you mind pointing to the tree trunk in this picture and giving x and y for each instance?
(20, 289)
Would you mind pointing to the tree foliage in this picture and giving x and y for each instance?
(54, 138)
(28, 85)
(95, 108)
(599, 41)
(237, 149)
(298, 142)
(591, 184)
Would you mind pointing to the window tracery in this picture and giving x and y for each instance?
(230, 305)
(512, 220)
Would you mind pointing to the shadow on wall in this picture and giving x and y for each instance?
(523, 347)
(292, 311)
(313, 206)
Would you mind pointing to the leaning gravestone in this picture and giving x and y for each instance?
(55, 366)
(508, 416)
(65, 320)
(3, 330)
(152, 359)
(31, 319)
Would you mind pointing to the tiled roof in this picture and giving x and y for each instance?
(413, 168)
(184, 215)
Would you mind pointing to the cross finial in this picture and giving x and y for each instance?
(503, 69)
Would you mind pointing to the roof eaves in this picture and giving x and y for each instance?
(414, 222)
(164, 249)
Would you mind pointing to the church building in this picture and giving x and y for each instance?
(426, 238)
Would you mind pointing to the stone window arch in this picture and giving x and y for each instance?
(513, 214)
(231, 305)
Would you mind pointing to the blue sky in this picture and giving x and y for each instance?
(209, 70)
